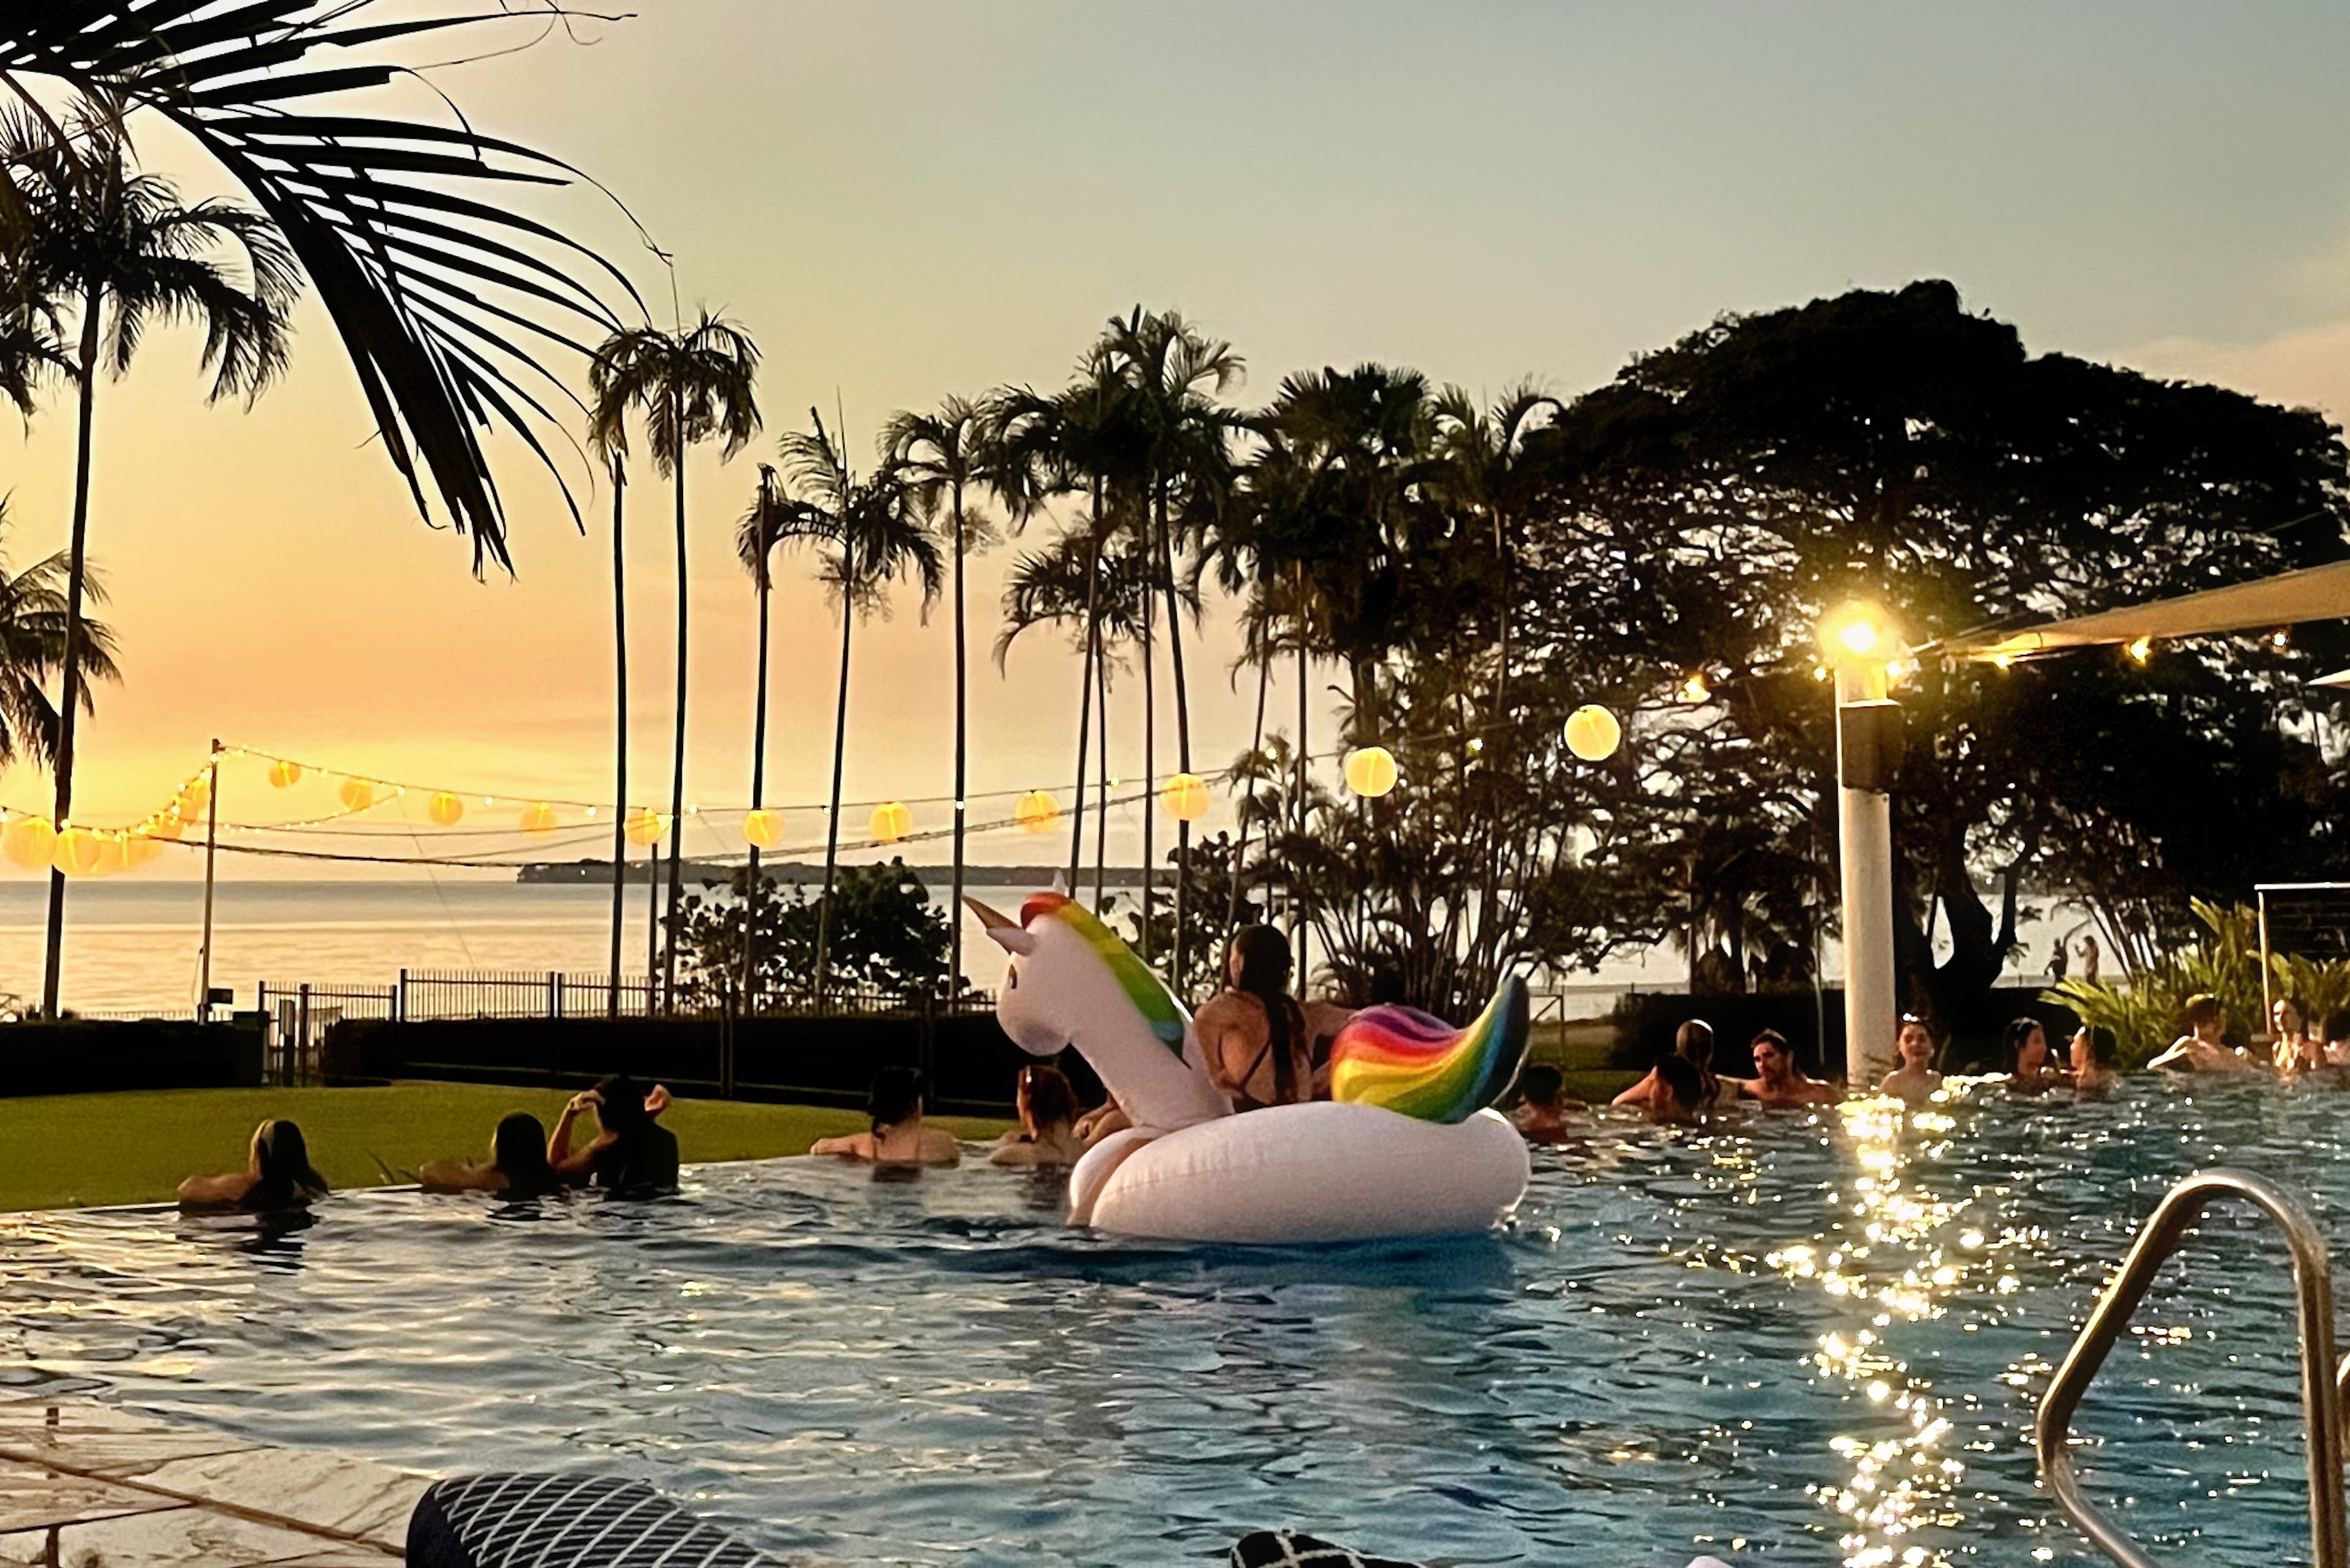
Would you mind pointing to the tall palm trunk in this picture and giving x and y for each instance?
(677, 759)
(1101, 764)
(620, 750)
(1304, 753)
(961, 812)
(1182, 737)
(1150, 744)
(840, 753)
(1085, 689)
(69, 703)
(753, 889)
(1256, 745)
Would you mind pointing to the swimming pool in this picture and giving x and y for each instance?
(1796, 1339)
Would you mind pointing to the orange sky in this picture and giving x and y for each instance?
(904, 201)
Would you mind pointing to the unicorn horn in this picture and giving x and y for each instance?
(1002, 930)
(994, 919)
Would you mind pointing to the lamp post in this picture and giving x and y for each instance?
(1861, 651)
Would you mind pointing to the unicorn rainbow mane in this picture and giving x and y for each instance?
(1419, 1066)
(1148, 994)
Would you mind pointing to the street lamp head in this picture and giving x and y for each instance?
(1856, 632)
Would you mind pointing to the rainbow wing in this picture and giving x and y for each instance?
(1420, 1066)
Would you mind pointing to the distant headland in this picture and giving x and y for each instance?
(810, 874)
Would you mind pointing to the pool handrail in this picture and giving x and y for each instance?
(2325, 1383)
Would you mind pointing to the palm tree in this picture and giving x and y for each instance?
(689, 386)
(117, 252)
(872, 536)
(942, 457)
(1176, 373)
(33, 617)
(441, 290)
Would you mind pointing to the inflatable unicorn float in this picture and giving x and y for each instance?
(1405, 1146)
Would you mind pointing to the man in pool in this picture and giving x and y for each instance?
(1778, 1081)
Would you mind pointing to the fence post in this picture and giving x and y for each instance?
(554, 993)
(269, 1042)
(400, 1002)
(302, 1034)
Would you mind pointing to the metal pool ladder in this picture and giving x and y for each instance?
(2324, 1385)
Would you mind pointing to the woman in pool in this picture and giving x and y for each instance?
(2094, 1052)
(1914, 1082)
(516, 1167)
(1693, 1043)
(1258, 1041)
(1541, 1112)
(631, 1151)
(898, 1137)
(277, 1175)
(1047, 1132)
(2293, 1050)
(2031, 1068)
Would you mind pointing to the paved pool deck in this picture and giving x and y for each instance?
(86, 1485)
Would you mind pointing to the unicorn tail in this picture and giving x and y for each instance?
(1420, 1066)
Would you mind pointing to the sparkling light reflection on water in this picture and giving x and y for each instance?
(1792, 1338)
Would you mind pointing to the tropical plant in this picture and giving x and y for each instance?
(2144, 1012)
(883, 934)
(439, 288)
(869, 535)
(115, 253)
(687, 386)
(33, 613)
(942, 458)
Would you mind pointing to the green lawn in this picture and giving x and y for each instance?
(67, 1150)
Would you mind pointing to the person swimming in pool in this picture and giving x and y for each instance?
(898, 1136)
(1914, 1082)
(278, 1175)
(2031, 1068)
(1047, 1134)
(1778, 1081)
(1541, 1112)
(517, 1165)
(631, 1151)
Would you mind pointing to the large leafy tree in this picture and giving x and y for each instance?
(114, 252)
(445, 295)
(695, 384)
(1708, 507)
(33, 649)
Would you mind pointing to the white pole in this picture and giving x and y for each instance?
(212, 844)
(1864, 826)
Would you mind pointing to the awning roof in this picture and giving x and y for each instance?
(2312, 593)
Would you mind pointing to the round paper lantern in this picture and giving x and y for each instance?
(763, 829)
(1037, 811)
(538, 817)
(113, 854)
(646, 827)
(445, 810)
(1371, 772)
(891, 823)
(167, 825)
(29, 841)
(284, 775)
(1185, 796)
(76, 852)
(196, 796)
(356, 794)
(142, 848)
(1593, 734)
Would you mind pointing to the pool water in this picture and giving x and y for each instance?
(1798, 1338)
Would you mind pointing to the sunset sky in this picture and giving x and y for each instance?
(903, 201)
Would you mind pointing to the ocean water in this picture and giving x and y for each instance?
(1795, 1338)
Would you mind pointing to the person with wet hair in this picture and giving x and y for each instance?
(2203, 1048)
(1778, 1081)
(2031, 1066)
(1540, 1115)
(1692, 1043)
(1915, 1081)
(896, 1136)
(632, 1152)
(1048, 1109)
(2291, 1043)
(2096, 1057)
(1680, 1093)
(278, 1175)
(517, 1166)
(1254, 1034)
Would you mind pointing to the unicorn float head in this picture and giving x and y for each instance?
(1072, 981)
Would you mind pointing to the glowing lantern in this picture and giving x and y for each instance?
(166, 825)
(445, 810)
(1371, 772)
(1593, 734)
(890, 823)
(538, 818)
(1185, 796)
(142, 849)
(284, 775)
(29, 841)
(646, 827)
(356, 794)
(763, 829)
(1037, 811)
(197, 795)
(113, 854)
(76, 852)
